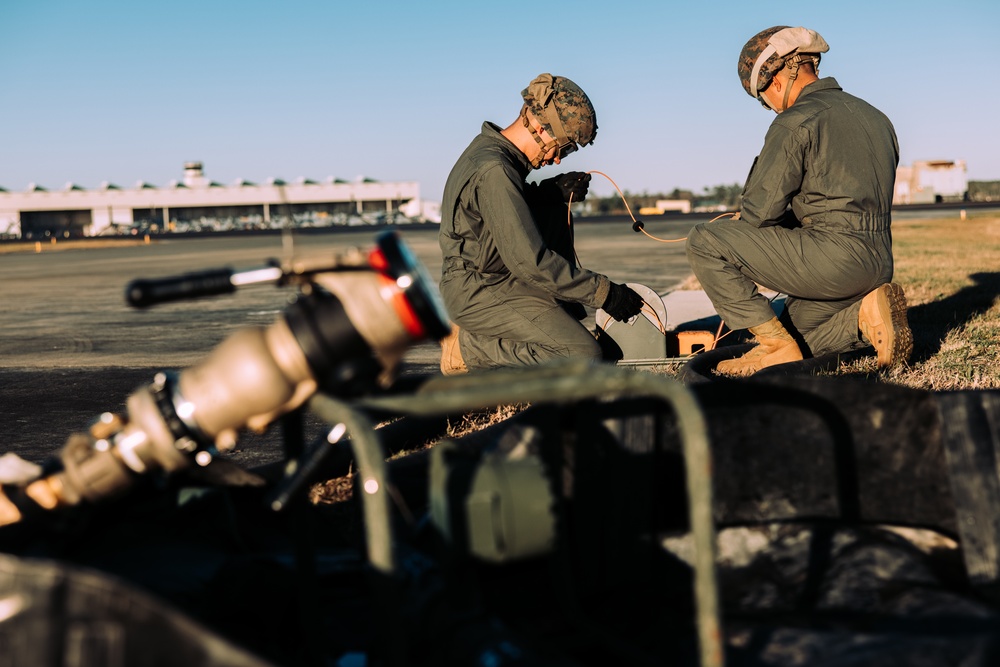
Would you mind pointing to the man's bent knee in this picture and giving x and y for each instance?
(590, 351)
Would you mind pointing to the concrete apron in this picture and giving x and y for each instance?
(672, 328)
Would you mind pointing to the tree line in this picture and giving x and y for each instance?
(727, 198)
(984, 190)
(719, 197)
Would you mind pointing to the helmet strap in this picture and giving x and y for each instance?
(552, 119)
(543, 147)
(793, 72)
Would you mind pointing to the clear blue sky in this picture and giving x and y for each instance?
(126, 90)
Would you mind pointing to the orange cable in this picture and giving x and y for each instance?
(569, 223)
(627, 208)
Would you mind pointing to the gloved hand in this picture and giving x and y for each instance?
(574, 183)
(623, 302)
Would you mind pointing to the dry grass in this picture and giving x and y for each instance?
(476, 421)
(950, 269)
(341, 489)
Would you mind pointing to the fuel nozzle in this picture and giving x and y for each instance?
(344, 334)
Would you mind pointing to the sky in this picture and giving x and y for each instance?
(125, 91)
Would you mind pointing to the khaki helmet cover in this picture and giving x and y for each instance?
(770, 50)
(562, 108)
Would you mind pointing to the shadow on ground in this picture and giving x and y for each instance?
(932, 322)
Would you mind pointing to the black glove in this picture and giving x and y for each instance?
(623, 302)
(574, 183)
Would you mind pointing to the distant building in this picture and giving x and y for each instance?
(680, 205)
(931, 181)
(196, 203)
(421, 210)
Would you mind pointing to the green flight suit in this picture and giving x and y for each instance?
(814, 222)
(508, 278)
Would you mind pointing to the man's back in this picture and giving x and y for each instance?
(842, 150)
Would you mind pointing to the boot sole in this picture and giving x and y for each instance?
(886, 327)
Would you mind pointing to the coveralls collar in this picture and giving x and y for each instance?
(492, 132)
(826, 83)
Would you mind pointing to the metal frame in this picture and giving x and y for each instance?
(554, 383)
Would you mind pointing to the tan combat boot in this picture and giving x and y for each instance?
(882, 321)
(774, 346)
(451, 354)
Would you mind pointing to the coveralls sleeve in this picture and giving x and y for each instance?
(522, 248)
(776, 176)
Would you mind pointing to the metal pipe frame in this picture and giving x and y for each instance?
(552, 383)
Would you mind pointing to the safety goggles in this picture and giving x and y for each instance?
(564, 149)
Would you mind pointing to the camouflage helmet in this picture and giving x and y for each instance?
(770, 50)
(562, 108)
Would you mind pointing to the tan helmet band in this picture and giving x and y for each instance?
(764, 55)
(801, 42)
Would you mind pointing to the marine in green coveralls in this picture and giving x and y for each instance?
(509, 279)
(814, 219)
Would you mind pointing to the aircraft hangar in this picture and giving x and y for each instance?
(196, 204)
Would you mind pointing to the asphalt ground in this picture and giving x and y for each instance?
(71, 349)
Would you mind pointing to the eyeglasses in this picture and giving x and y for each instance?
(562, 150)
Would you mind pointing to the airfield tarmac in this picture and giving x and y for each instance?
(71, 348)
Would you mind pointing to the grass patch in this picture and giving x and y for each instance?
(341, 489)
(950, 270)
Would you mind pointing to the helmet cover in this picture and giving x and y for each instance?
(562, 108)
(767, 52)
